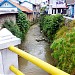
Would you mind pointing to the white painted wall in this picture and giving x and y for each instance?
(7, 58)
(1, 64)
(56, 4)
(8, 9)
(59, 5)
(53, 3)
(50, 9)
(28, 5)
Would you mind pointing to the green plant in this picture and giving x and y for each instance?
(13, 28)
(22, 22)
(42, 9)
(64, 51)
(61, 32)
(41, 21)
(49, 24)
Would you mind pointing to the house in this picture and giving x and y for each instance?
(7, 12)
(38, 7)
(24, 9)
(71, 8)
(57, 6)
(9, 9)
(36, 10)
(7, 6)
(33, 7)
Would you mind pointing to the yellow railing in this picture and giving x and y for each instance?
(43, 65)
(15, 70)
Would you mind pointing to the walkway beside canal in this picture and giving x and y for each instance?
(36, 48)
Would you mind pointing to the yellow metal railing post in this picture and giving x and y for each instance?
(15, 70)
(45, 66)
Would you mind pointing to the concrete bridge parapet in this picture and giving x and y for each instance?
(7, 58)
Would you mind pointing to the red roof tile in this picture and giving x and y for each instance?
(1, 0)
(22, 8)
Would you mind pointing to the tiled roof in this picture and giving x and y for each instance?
(22, 8)
(1, 0)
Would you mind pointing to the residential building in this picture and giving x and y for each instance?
(36, 11)
(24, 9)
(7, 12)
(33, 7)
(9, 9)
(71, 8)
(7, 17)
(57, 6)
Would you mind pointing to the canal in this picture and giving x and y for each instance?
(40, 49)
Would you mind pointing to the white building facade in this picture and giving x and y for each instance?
(57, 6)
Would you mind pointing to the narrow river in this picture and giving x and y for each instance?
(39, 49)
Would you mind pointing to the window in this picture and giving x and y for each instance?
(6, 4)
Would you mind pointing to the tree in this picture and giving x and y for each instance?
(22, 22)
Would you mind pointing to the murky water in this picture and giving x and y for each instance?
(39, 49)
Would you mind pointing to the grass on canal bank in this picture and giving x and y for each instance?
(62, 38)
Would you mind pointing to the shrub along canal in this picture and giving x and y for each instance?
(33, 46)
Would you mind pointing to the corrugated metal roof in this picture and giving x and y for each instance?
(22, 8)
